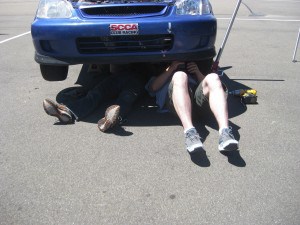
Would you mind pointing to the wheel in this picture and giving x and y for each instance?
(205, 66)
(54, 73)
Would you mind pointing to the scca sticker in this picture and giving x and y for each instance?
(124, 29)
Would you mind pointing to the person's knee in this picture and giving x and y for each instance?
(213, 81)
(180, 78)
(212, 77)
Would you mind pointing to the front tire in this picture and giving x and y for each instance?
(54, 73)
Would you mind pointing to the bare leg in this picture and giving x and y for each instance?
(212, 87)
(181, 99)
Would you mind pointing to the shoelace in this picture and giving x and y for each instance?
(193, 136)
(121, 120)
(229, 132)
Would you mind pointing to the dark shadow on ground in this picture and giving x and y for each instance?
(200, 159)
(145, 113)
(235, 158)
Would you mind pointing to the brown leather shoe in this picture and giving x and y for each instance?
(110, 119)
(58, 110)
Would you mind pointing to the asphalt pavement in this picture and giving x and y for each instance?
(74, 174)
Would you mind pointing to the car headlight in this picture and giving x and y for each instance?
(54, 9)
(192, 7)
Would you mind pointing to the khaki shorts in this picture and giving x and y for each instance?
(198, 99)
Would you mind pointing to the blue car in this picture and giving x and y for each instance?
(69, 32)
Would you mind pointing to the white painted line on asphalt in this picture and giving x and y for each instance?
(272, 20)
(9, 39)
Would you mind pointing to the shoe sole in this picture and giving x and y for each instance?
(110, 119)
(50, 108)
(112, 113)
(104, 124)
(229, 146)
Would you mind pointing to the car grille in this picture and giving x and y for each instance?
(124, 44)
(130, 10)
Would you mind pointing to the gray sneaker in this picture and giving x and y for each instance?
(110, 119)
(58, 110)
(192, 141)
(227, 141)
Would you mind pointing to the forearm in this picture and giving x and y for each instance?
(199, 76)
(160, 80)
(193, 69)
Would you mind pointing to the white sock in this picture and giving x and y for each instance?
(220, 130)
(186, 130)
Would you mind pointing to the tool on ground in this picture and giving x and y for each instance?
(248, 96)
(240, 92)
(215, 65)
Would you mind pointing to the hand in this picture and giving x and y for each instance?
(174, 65)
(192, 68)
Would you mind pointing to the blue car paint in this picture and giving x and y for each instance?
(55, 40)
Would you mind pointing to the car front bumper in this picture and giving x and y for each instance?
(58, 41)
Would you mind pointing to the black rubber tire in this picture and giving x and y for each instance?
(54, 73)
